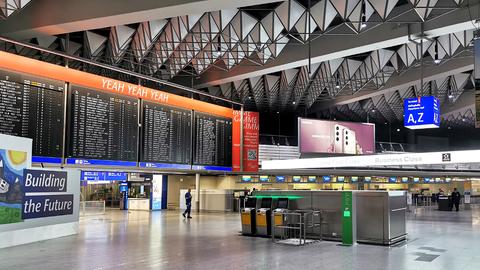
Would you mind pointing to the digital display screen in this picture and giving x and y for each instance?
(340, 179)
(33, 107)
(354, 179)
(213, 140)
(282, 203)
(296, 179)
(416, 179)
(405, 179)
(367, 179)
(426, 180)
(448, 179)
(264, 178)
(280, 179)
(166, 133)
(312, 179)
(246, 178)
(103, 126)
(327, 179)
(392, 179)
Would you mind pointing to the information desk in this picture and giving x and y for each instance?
(444, 203)
(138, 204)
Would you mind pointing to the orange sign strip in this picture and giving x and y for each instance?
(35, 67)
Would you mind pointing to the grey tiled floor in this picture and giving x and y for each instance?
(164, 240)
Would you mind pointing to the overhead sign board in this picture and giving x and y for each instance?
(421, 112)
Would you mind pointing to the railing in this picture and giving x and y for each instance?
(92, 208)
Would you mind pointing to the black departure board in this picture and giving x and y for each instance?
(213, 140)
(167, 134)
(102, 125)
(33, 107)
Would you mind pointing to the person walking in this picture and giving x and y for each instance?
(188, 201)
(456, 198)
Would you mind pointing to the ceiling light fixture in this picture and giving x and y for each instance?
(293, 102)
(450, 96)
(364, 17)
(436, 60)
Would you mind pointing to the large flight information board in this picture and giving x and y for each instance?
(103, 126)
(167, 134)
(213, 140)
(33, 107)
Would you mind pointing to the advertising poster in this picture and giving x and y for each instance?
(251, 130)
(12, 164)
(320, 136)
(157, 184)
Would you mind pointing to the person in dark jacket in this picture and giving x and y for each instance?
(456, 198)
(188, 201)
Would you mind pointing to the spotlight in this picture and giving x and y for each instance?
(437, 61)
(398, 130)
(450, 96)
(363, 25)
(463, 119)
(293, 102)
(373, 110)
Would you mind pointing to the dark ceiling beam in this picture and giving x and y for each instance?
(54, 17)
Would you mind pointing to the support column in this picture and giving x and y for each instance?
(197, 191)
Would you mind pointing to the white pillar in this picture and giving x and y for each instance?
(197, 189)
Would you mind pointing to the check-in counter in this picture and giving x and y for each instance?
(138, 204)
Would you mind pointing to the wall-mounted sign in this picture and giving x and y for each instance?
(103, 176)
(421, 112)
(312, 179)
(37, 201)
(280, 179)
(297, 179)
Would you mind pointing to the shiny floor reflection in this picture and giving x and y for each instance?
(164, 240)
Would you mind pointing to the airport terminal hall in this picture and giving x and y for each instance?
(240, 134)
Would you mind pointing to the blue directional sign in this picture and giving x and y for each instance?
(421, 112)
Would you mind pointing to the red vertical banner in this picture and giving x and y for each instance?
(251, 131)
(236, 141)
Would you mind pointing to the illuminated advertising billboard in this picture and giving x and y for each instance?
(320, 136)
